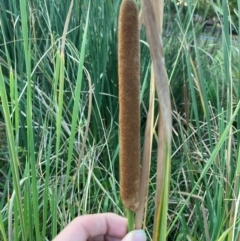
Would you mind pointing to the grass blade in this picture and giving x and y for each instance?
(13, 153)
(146, 159)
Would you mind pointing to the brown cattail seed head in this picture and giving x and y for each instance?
(129, 107)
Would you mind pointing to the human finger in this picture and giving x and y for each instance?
(136, 235)
(84, 227)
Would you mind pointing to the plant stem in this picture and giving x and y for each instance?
(130, 218)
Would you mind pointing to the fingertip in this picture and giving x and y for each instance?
(136, 235)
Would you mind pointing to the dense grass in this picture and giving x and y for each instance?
(59, 110)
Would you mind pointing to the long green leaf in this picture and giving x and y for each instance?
(14, 162)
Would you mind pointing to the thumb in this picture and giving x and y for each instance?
(136, 235)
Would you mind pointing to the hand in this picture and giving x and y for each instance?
(99, 227)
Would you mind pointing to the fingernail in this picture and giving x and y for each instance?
(139, 235)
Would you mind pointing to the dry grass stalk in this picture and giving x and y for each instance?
(156, 50)
(129, 114)
(152, 19)
(146, 159)
(158, 7)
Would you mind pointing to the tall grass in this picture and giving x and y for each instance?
(61, 161)
(206, 185)
(46, 96)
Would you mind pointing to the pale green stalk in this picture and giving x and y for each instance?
(46, 155)
(130, 220)
(2, 229)
(59, 110)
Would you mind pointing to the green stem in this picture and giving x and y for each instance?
(130, 218)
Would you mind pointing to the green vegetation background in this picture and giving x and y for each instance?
(59, 117)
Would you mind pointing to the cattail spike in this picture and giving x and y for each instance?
(129, 113)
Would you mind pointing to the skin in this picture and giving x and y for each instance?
(95, 227)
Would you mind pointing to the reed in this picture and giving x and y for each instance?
(129, 113)
(152, 13)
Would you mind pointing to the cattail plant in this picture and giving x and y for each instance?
(129, 116)
(129, 113)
